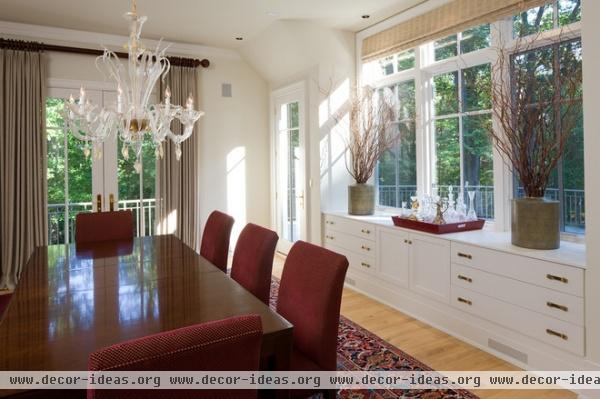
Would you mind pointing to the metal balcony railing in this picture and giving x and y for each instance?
(57, 228)
(573, 201)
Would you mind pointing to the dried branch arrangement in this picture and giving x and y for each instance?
(535, 111)
(370, 135)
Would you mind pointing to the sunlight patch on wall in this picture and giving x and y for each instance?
(334, 102)
(236, 189)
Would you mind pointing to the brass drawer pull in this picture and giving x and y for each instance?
(365, 231)
(557, 334)
(463, 255)
(363, 264)
(329, 237)
(463, 300)
(406, 241)
(365, 248)
(557, 278)
(329, 222)
(557, 306)
(465, 278)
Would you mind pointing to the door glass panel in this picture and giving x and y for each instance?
(142, 201)
(71, 193)
(288, 170)
(75, 180)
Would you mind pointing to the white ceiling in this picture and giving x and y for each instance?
(208, 22)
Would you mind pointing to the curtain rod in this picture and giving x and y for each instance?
(37, 46)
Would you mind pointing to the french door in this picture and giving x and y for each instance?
(94, 182)
(289, 145)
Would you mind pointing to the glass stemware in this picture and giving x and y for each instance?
(471, 215)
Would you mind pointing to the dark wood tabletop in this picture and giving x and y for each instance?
(71, 301)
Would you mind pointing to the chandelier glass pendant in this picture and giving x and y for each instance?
(132, 118)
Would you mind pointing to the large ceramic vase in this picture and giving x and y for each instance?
(535, 223)
(361, 199)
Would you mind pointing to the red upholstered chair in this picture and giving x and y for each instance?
(253, 260)
(103, 226)
(310, 295)
(215, 239)
(226, 345)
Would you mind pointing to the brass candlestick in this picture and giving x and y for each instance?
(415, 208)
(440, 209)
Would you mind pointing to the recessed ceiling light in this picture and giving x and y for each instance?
(366, 16)
(239, 38)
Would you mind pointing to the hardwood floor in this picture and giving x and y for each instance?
(431, 346)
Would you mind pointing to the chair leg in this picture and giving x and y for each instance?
(330, 394)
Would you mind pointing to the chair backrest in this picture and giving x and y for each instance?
(253, 260)
(103, 226)
(231, 344)
(215, 239)
(310, 295)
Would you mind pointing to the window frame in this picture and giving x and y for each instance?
(425, 69)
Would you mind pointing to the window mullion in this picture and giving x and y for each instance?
(422, 122)
(558, 127)
(460, 128)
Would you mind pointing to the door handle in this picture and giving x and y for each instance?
(99, 203)
(301, 198)
(111, 202)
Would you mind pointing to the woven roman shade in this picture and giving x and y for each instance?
(445, 20)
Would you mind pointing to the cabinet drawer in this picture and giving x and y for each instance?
(356, 262)
(350, 242)
(349, 226)
(545, 274)
(543, 300)
(547, 329)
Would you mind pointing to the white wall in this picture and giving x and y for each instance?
(322, 58)
(591, 101)
(233, 128)
(234, 152)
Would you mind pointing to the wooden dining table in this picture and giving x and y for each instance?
(73, 300)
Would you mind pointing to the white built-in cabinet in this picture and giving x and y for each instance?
(430, 267)
(394, 256)
(526, 306)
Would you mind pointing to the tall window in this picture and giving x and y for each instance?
(556, 14)
(397, 169)
(463, 151)
(473, 39)
(548, 64)
(447, 86)
(397, 62)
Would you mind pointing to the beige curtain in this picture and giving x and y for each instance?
(446, 20)
(177, 181)
(23, 202)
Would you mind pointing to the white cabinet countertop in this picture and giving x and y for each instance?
(569, 253)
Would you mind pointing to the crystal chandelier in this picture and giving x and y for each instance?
(132, 118)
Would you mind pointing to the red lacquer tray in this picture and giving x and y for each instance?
(438, 228)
